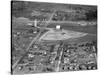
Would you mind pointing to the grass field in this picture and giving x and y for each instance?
(86, 29)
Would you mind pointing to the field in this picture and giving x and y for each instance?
(73, 27)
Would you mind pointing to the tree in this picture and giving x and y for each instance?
(91, 15)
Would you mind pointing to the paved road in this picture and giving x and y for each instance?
(59, 53)
(32, 42)
(50, 19)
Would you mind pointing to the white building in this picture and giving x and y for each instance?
(58, 27)
(35, 23)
